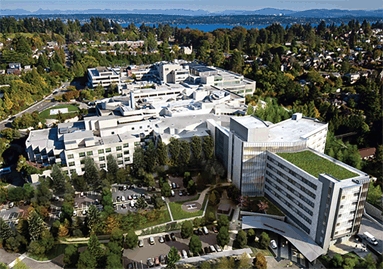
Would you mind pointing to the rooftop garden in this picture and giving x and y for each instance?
(315, 164)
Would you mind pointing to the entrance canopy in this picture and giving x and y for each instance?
(299, 239)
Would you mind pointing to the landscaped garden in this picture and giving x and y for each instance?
(314, 164)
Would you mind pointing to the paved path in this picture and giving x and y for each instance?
(18, 259)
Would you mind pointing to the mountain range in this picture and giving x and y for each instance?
(311, 13)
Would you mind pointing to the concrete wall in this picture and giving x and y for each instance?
(374, 212)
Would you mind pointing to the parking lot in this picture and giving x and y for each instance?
(141, 254)
(84, 199)
(123, 195)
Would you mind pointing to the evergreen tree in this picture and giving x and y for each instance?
(91, 174)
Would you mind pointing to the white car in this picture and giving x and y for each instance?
(273, 244)
(122, 198)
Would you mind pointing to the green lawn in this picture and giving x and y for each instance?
(72, 110)
(162, 218)
(315, 164)
(178, 213)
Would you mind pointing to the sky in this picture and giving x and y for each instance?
(209, 5)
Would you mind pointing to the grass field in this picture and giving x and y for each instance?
(315, 164)
(72, 110)
(178, 213)
(162, 218)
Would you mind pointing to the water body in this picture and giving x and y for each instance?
(209, 27)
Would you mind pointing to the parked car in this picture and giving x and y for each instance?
(84, 212)
(200, 232)
(140, 243)
(151, 240)
(161, 239)
(123, 198)
(157, 261)
(173, 237)
(206, 250)
(212, 248)
(184, 254)
(130, 197)
(217, 248)
(214, 229)
(150, 262)
(162, 259)
(180, 193)
(205, 230)
(118, 198)
(273, 244)
(167, 237)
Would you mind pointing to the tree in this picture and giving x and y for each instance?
(94, 246)
(223, 236)
(264, 240)
(250, 235)
(196, 148)
(244, 261)
(184, 155)
(166, 190)
(36, 225)
(337, 261)
(173, 257)
(186, 229)
(223, 221)
(113, 261)
(205, 265)
(93, 218)
(131, 239)
(71, 256)
(260, 261)
(162, 153)
(112, 166)
(150, 157)
(208, 147)
(141, 203)
(87, 260)
(91, 174)
(174, 150)
(58, 179)
(5, 231)
(191, 187)
(16, 194)
(241, 239)
(195, 244)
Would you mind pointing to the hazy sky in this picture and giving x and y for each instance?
(210, 5)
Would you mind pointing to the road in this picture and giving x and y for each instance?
(48, 101)
(376, 230)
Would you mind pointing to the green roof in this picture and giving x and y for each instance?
(314, 164)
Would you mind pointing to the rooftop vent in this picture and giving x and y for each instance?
(296, 116)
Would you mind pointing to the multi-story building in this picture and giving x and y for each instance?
(322, 196)
(103, 76)
(248, 139)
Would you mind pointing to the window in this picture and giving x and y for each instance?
(127, 159)
(102, 165)
(118, 148)
(81, 154)
(72, 171)
(100, 151)
(108, 150)
(71, 163)
(126, 152)
(136, 143)
(120, 162)
(126, 145)
(89, 153)
(70, 156)
(132, 128)
(102, 158)
(119, 155)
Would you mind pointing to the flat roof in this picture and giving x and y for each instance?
(292, 130)
(305, 244)
(315, 164)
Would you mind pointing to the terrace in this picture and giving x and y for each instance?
(315, 164)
